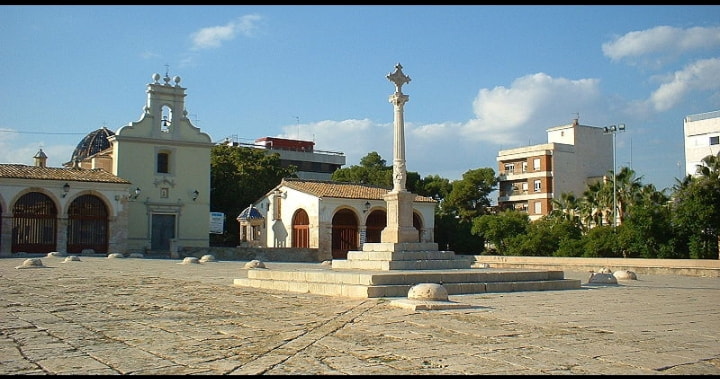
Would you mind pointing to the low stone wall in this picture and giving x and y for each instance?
(688, 267)
(266, 254)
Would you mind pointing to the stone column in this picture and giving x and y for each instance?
(399, 201)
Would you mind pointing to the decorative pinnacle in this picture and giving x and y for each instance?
(398, 78)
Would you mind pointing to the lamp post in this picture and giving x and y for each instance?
(614, 129)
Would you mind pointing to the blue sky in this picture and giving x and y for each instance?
(484, 78)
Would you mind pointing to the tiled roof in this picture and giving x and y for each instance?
(326, 188)
(250, 213)
(19, 171)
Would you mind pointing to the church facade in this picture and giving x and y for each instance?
(145, 188)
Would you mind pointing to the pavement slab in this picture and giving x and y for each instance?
(150, 316)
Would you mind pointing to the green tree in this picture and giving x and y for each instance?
(646, 229)
(238, 177)
(374, 170)
(627, 189)
(469, 197)
(434, 186)
(499, 228)
(696, 211)
(543, 236)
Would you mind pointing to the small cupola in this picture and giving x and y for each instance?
(40, 159)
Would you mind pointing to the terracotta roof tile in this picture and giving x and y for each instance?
(325, 188)
(19, 171)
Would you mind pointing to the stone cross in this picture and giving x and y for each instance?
(398, 78)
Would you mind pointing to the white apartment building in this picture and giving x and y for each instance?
(531, 176)
(702, 138)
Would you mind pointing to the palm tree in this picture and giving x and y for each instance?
(594, 205)
(627, 186)
(567, 207)
(710, 167)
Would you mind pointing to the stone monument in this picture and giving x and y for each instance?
(399, 201)
(392, 267)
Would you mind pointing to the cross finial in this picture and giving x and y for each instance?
(398, 78)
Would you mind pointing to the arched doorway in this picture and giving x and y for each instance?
(344, 233)
(34, 224)
(417, 224)
(87, 225)
(301, 229)
(376, 222)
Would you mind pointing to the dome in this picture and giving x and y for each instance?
(250, 213)
(92, 144)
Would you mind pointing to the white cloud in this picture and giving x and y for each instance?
(701, 75)
(12, 150)
(664, 41)
(505, 115)
(214, 36)
(506, 118)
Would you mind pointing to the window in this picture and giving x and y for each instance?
(538, 207)
(536, 164)
(715, 140)
(509, 168)
(524, 187)
(524, 166)
(537, 186)
(163, 163)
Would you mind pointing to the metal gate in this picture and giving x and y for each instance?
(87, 225)
(34, 227)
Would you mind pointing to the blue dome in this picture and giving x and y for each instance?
(250, 213)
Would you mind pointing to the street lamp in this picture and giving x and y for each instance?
(613, 129)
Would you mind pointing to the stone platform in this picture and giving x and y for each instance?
(391, 269)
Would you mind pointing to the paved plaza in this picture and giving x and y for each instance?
(105, 316)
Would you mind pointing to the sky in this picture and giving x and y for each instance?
(483, 77)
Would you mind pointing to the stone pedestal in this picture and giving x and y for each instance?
(399, 218)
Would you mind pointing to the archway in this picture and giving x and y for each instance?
(87, 225)
(418, 224)
(301, 229)
(344, 233)
(376, 222)
(34, 224)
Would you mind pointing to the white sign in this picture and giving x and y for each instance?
(217, 222)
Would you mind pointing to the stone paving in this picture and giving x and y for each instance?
(102, 316)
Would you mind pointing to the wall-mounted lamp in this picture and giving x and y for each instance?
(135, 193)
(367, 207)
(66, 189)
(195, 195)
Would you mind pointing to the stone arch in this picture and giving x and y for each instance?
(88, 225)
(345, 234)
(301, 229)
(374, 225)
(418, 225)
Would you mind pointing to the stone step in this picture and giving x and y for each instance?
(397, 284)
(399, 255)
(435, 264)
